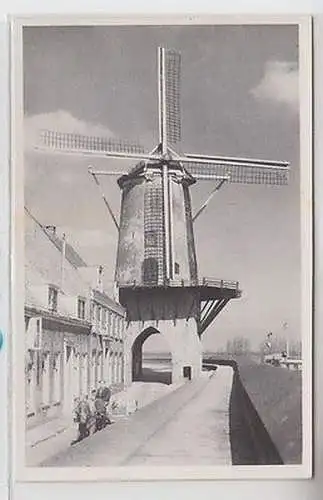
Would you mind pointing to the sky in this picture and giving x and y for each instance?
(239, 98)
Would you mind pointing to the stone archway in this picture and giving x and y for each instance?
(139, 373)
(181, 338)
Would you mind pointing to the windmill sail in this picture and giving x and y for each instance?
(69, 142)
(244, 170)
(169, 85)
(173, 88)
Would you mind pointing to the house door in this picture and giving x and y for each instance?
(68, 379)
(187, 372)
(38, 394)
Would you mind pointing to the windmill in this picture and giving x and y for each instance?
(156, 268)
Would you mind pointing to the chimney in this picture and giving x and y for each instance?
(51, 230)
(100, 276)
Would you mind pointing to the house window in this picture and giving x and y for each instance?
(108, 320)
(103, 319)
(92, 311)
(38, 337)
(52, 299)
(176, 268)
(113, 326)
(121, 329)
(81, 308)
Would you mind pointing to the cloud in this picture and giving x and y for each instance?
(58, 121)
(279, 84)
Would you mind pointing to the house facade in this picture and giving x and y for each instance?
(74, 332)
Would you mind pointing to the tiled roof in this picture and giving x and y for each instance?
(44, 262)
(103, 299)
(70, 253)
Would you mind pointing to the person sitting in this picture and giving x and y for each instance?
(92, 400)
(82, 414)
(101, 411)
(103, 392)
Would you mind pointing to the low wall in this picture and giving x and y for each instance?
(265, 413)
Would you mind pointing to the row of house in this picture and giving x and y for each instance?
(74, 331)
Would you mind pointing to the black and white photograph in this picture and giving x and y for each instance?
(162, 213)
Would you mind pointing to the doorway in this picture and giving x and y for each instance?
(187, 372)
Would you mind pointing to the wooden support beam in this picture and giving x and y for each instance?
(212, 313)
(191, 308)
(210, 305)
(206, 303)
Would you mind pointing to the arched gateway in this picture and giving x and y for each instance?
(137, 355)
(180, 334)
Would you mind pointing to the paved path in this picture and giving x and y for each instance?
(54, 436)
(48, 439)
(187, 427)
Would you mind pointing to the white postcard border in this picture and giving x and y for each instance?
(20, 471)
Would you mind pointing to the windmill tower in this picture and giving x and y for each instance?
(156, 268)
